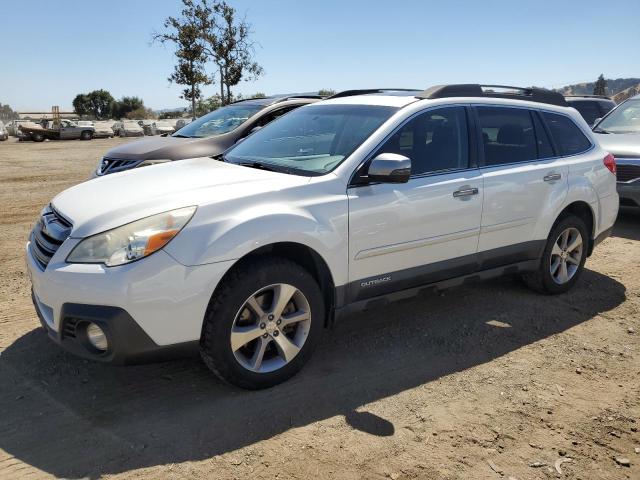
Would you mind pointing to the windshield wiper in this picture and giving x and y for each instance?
(180, 136)
(262, 166)
(600, 130)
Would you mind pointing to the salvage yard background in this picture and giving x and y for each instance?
(487, 381)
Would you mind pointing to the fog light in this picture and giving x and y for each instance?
(96, 337)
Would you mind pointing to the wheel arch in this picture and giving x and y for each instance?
(584, 211)
(303, 255)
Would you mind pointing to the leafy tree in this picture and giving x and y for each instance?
(190, 71)
(99, 103)
(226, 42)
(81, 104)
(326, 92)
(120, 108)
(600, 87)
(208, 105)
(140, 113)
(7, 113)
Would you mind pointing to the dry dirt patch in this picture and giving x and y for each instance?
(490, 381)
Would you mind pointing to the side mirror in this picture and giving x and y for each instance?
(390, 168)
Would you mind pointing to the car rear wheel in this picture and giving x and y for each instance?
(262, 324)
(86, 135)
(37, 137)
(563, 258)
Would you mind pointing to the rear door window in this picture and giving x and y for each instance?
(568, 138)
(508, 135)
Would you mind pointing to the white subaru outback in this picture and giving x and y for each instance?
(344, 204)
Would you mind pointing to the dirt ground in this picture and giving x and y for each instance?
(482, 382)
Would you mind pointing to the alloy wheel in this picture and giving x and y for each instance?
(566, 255)
(270, 328)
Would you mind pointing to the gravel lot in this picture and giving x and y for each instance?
(487, 381)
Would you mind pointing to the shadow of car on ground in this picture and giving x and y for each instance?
(628, 223)
(71, 418)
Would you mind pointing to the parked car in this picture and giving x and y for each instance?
(619, 133)
(163, 127)
(12, 127)
(148, 127)
(26, 128)
(3, 132)
(341, 205)
(209, 135)
(181, 122)
(591, 107)
(64, 130)
(128, 128)
(103, 130)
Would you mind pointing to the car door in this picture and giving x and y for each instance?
(66, 130)
(523, 180)
(425, 230)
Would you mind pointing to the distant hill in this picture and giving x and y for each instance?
(619, 89)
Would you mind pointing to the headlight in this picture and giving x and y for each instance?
(133, 241)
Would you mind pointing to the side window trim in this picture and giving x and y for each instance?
(552, 142)
(353, 182)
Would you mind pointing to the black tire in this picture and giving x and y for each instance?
(229, 299)
(542, 280)
(86, 135)
(37, 137)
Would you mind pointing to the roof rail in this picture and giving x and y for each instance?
(365, 91)
(606, 97)
(310, 96)
(531, 94)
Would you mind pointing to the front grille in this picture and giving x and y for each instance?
(627, 173)
(113, 165)
(47, 236)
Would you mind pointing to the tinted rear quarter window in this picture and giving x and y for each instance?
(568, 138)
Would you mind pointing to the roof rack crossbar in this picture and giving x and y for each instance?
(531, 94)
(365, 91)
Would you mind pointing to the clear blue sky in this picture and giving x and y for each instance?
(52, 50)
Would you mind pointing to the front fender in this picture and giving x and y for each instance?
(237, 235)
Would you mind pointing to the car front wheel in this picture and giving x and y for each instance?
(563, 258)
(262, 324)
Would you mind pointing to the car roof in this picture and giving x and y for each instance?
(301, 98)
(388, 98)
(466, 93)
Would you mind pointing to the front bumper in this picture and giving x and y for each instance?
(127, 342)
(144, 306)
(629, 194)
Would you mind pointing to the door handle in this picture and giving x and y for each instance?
(552, 177)
(465, 192)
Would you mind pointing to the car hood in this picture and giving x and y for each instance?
(621, 144)
(113, 200)
(171, 148)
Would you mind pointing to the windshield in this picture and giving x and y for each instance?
(624, 119)
(220, 121)
(311, 140)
